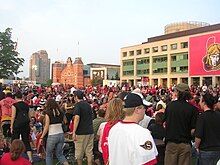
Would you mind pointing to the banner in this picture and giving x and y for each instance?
(204, 55)
(144, 81)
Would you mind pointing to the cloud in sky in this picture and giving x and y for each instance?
(102, 27)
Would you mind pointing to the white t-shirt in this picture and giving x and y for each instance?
(100, 133)
(145, 122)
(58, 98)
(130, 144)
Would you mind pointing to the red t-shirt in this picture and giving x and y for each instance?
(6, 160)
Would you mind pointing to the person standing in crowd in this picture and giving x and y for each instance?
(20, 123)
(114, 114)
(69, 108)
(14, 156)
(96, 123)
(53, 126)
(128, 142)
(180, 122)
(83, 129)
(207, 133)
(5, 114)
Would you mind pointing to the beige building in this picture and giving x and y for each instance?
(164, 60)
(109, 74)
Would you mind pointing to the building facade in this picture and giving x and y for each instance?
(79, 75)
(109, 74)
(39, 67)
(172, 58)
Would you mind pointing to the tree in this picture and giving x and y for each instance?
(49, 82)
(117, 76)
(9, 60)
(97, 81)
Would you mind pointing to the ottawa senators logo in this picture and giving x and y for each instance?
(147, 145)
(211, 61)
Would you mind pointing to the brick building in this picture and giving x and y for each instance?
(71, 73)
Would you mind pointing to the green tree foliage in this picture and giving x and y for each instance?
(49, 82)
(97, 81)
(117, 76)
(9, 60)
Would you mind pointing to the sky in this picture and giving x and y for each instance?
(94, 30)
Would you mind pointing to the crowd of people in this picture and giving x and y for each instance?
(110, 125)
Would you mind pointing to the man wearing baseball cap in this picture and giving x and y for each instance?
(129, 143)
(180, 119)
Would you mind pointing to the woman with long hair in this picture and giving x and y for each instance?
(14, 156)
(114, 114)
(53, 126)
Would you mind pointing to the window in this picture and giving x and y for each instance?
(124, 54)
(184, 45)
(183, 68)
(164, 48)
(173, 69)
(130, 72)
(143, 61)
(147, 50)
(160, 70)
(131, 53)
(159, 59)
(144, 71)
(173, 46)
(85, 72)
(155, 49)
(173, 58)
(139, 52)
(127, 63)
(185, 56)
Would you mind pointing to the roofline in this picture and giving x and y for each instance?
(184, 33)
(103, 64)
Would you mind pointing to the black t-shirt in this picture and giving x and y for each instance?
(180, 118)
(22, 115)
(157, 131)
(56, 116)
(84, 111)
(208, 130)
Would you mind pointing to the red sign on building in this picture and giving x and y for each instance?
(204, 55)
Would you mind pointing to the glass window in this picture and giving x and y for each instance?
(173, 69)
(185, 56)
(139, 52)
(164, 48)
(124, 54)
(155, 49)
(173, 46)
(131, 53)
(173, 58)
(147, 50)
(183, 68)
(184, 45)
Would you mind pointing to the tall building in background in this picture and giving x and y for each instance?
(39, 68)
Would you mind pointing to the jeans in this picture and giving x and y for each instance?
(208, 157)
(55, 141)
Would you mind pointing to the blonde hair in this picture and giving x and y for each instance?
(114, 110)
(130, 111)
(212, 49)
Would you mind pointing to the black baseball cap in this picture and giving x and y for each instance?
(79, 94)
(133, 100)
